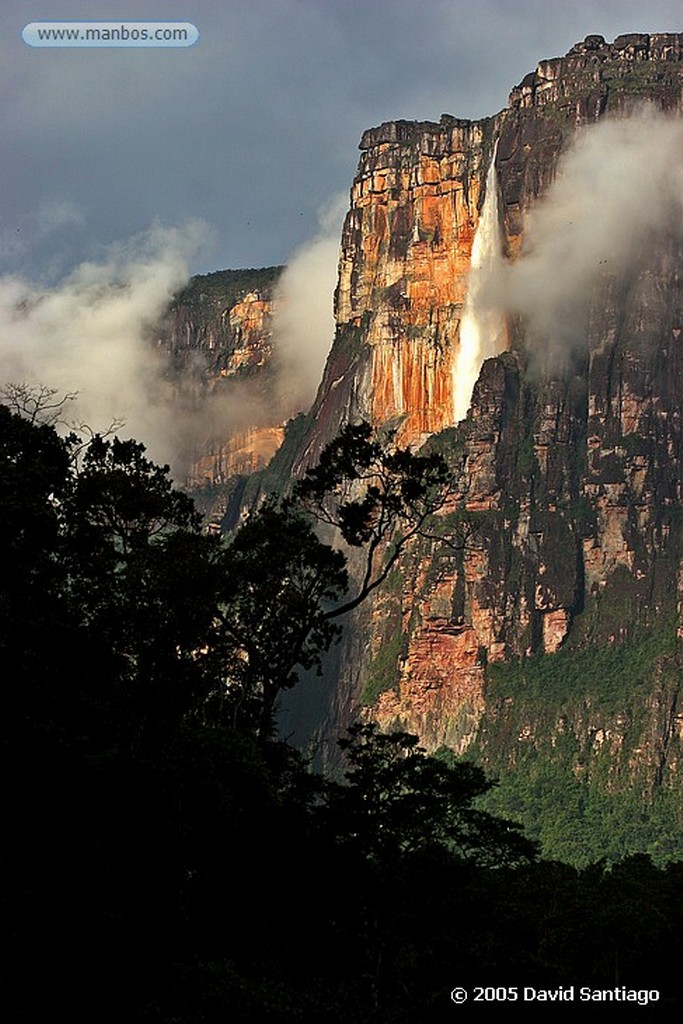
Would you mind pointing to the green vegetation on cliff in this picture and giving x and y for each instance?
(209, 292)
(565, 735)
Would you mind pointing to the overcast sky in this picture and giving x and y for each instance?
(256, 126)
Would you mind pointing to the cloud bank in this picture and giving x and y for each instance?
(617, 189)
(91, 333)
(94, 333)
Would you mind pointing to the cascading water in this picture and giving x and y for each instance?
(482, 328)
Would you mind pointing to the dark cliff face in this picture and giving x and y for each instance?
(593, 80)
(573, 466)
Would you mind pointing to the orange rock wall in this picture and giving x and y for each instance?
(406, 249)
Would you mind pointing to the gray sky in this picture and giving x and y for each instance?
(256, 126)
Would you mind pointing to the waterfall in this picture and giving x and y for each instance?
(482, 328)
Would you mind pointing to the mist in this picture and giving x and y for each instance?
(91, 333)
(303, 320)
(618, 188)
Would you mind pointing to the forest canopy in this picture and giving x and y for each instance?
(166, 856)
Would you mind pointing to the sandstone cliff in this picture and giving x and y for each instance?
(547, 646)
(415, 207)
(572, 466)
(218, 335)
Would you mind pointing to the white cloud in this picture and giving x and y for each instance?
(617, 189)
(91, 334)
(303, 325)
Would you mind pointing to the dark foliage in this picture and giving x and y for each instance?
(279, 578)
(393, 789)
(165, 861)
(378, 496)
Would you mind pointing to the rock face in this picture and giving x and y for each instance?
(405, 255)
(549, 638)
(243, 452)
(220, 324)
(572, 473)
(415, 206)
(218, 334)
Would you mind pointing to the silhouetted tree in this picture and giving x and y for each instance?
(164, 858)
(286, 586)
(399, 800)
(279, 580)
(378, 496)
